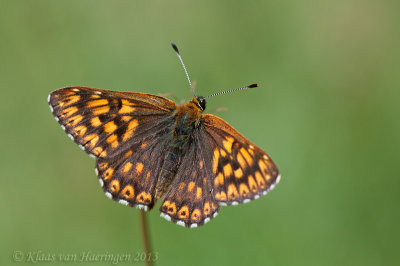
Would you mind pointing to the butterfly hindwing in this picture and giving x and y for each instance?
(189, 201)
(241, 171)
(105, 123)
(131, 178)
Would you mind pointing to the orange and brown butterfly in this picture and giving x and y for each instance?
(147, 148)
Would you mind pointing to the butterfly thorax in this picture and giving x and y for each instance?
(187, 119)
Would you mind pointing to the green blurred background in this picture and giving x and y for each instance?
(327, 112)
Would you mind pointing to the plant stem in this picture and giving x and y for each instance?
(146, 238)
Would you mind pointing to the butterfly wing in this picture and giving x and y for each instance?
(127, 133)
(241, 171)
(105, 123)
(189, 201)
(131, 179)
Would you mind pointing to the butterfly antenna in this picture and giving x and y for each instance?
(183, 65)
(228, 91)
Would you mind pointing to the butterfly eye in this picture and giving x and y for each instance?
(202, 102)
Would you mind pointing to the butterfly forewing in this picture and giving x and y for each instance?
(104, 123)
(240, 170)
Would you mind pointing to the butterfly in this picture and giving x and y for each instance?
(148, 148)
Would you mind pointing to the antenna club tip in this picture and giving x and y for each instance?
(175, 47)
(255, 85)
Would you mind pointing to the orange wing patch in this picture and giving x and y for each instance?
(130, 130)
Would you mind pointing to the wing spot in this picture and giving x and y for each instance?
(251, 152)
(232, 192)
(227, 170)
(213, 206)
(241, 161)
(260, 180)
(244, 190)
(69, 100)
(128, 192)
(94, 96)
(183, 213)
(126, 118)
(251, 147)
(238, 173)
(103, 165)
(144, 198)
(196, 215)
(96, 103)
(206, 209)
(191, 186)
(69, 111)
(91, 140)
(80, 130)
(223, 153)
(247, 156)
(130, 130)
(113, 141)
(126, 109)
(139, 168)
(201, 164)
(128, 153)
(228, 144)
(252, 184)
(169, 207)
(215, 160)
(97, 151)
(127, 167)
(181, 186)
(126, 102)
(114, 186)
(108, 173)
(95, 121)
(219, 180)
(198, 193)
(262, 166)
(220, 196)
(110, 127)
(73, 121)
(101, 110)
(98, 92)
(144, 144)
(265, 157)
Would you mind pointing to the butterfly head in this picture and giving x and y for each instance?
(200, 102)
